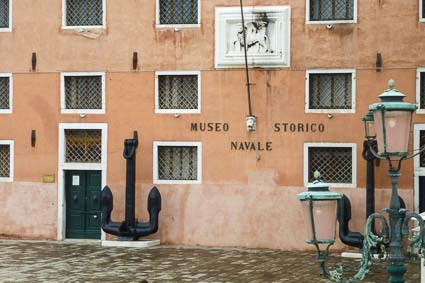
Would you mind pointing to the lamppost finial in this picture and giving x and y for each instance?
(391, 84)
(316, 175)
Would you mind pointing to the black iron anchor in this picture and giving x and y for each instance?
(130, 229)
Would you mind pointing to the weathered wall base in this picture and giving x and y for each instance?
(258, 215)
(28, 210)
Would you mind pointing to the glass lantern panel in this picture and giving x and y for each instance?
(370, 129)
(324, 220)
(377, 117)
(397, 127)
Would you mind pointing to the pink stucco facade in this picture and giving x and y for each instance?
(246, 198)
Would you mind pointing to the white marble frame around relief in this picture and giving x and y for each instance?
(280, 16)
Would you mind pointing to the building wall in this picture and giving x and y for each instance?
(247, 198)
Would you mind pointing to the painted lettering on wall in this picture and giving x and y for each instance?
(251, 146)
(299, 127)
(209, 127)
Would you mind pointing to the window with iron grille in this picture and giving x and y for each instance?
(83, 93)
(335, 164)
(4, 14)
(6, 160)
(83, 145)
(177, 92)
(421, 145)
(84, 13)
(177, 162)
(332, 92)
(178, 12)
(5, 94)
(332, 10)
(421, 94)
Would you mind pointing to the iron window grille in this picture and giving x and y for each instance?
(178, 163)
(4, 93)
(83, 92)
(5, 162)
(4, 13)
(178, 92)
(84, 12)
(330, 91)
(422, 90)
(334, 164)
(421, 144)
(83, 145)
(178, 12)
(332, 10)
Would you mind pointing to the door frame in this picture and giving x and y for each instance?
(62, 166)
(418, 171)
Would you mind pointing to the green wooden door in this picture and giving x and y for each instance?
(83, 207)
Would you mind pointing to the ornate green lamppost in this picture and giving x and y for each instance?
(319, 208)
(391, 123)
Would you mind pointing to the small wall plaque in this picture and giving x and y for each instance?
(76, 180)
(49, 178)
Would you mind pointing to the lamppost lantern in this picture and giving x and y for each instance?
(319, 210)
(369, 126)
(392, 119)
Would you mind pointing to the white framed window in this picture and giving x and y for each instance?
(331, 11)
(82, 146)
(178, 92)
(83, 93)
(5, 15)
(6, 93)
(336, 162)
(178, 13)
(177, 162)
(421, 11)
(83, 14)
(6, 160)
(330, 91)
(420, 90)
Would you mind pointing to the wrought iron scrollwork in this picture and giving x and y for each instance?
(370, 242)
(418, 239)
(377, 242)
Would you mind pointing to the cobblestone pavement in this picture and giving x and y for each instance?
(22, 261)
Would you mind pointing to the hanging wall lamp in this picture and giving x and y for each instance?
(251, 120)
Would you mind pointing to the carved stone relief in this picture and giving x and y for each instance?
(267, 31)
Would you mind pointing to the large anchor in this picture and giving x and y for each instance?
(130, 228)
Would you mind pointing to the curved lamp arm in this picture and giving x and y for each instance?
(365, 153)
(371, 240)
(417, 241)
(374, 153)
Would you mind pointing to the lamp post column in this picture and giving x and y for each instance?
(396, 267)
(370, 176)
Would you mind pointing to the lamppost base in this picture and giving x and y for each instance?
(397, 273)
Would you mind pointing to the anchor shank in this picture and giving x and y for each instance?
(130, 146)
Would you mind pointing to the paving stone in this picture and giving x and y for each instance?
(32, 262)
